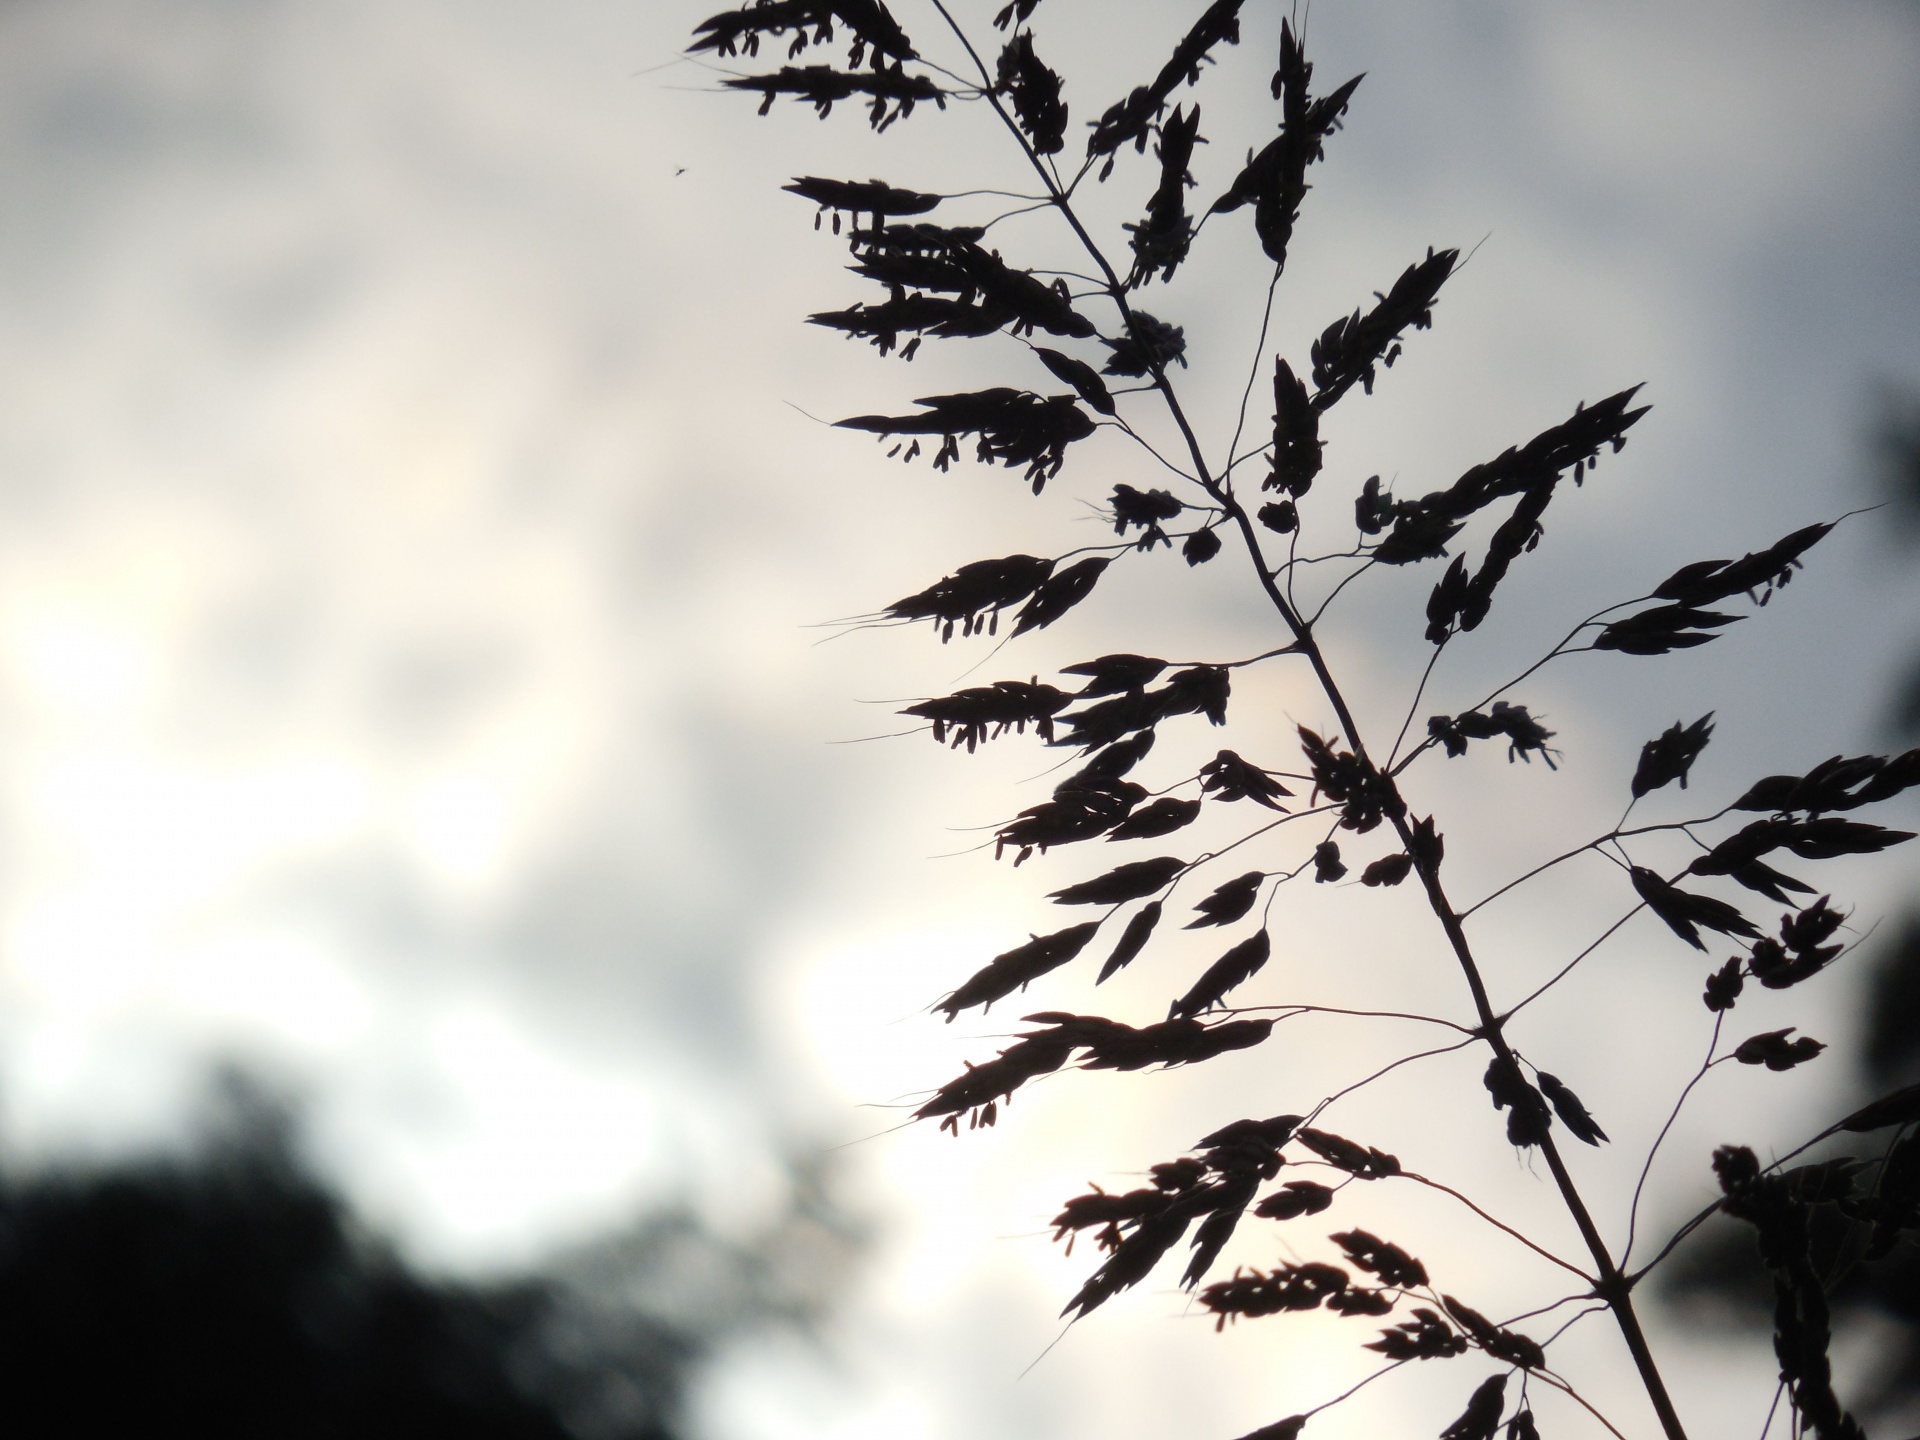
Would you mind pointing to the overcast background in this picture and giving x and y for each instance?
(409, 518)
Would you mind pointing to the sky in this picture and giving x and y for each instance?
(415, 533)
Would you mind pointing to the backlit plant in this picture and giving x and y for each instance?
(1082, 356)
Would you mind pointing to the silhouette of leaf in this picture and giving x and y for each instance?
(1660, 630)
(1035, 92)
(1178, 1041)
(1419, 537)
(1357, 1301)
(1147, 348)
(1529, 1118)
(983, 588)
(1281, 517)
(1724, 986)
(1448, 600)
(1327, 867)
(1372, 510)
(1572, 1113)
(989, 711)
(1810, 839)
(1274, 181)
(873, 197)
(1162, 817)
(1229, 901)
(1015, 428)
(1902, 1107)
(1839, 783)
(1507, 1345)
(1201, 546)
(1482, 1415)
(1296, 440)
(1343, 1154)
(1290, 1287)
(1348, 350)
(1131, 881)
(1670, 756)
(1145, 508)
(1197, 690)
(1059, 593)
(1294, 1199)
(1387, 870)
(1287, 1429)
(1111, 674)
(1768, 570)
(1775, 1051)
(1531, 472)
(1080, 375)
(1389, 1262)
(1017, 12)
(1018, 967)
(981, 1085)
(1132, 119)
(740, 31)
(1104, 722)
(952, 261)
(1132, 940)
(1079, 810)
(1364, 795)
(1227, 777)
(893, 92)
(883, 324)
(1160, 241)
(1425, 1337)
(1525, 736)
(1683, 911)
(1236, 967)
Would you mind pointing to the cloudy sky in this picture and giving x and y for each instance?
(411, 518)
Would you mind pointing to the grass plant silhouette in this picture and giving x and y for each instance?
(1268, 509)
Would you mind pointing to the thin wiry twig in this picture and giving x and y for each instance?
(1633, 1210)
(1539, 1250)
(1354, 1389)
(1574, 1395)
(1567, 969)
(1365, 1014)
(1253, 372)
(1614, 834)
(1347, 1090)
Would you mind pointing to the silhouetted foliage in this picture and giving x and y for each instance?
(943, 281)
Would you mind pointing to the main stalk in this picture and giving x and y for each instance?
(1612, 1285)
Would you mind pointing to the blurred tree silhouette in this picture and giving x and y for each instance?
(230, 1293)
(1897, 442)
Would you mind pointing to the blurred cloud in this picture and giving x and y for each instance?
(406, 528)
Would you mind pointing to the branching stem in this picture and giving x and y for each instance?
(1611, 1286)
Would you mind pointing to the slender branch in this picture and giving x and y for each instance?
(1567, 969)
(1614, 834)
(1253, 371)
(1539, 1250)
(1353, 1390)
(1388, 1069)
(1413, 708)
(1574, 1395)
(1633, 1211)
(1611, 1285)
(1570, 1322)
(1365, 1014)
(1710, 1211)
